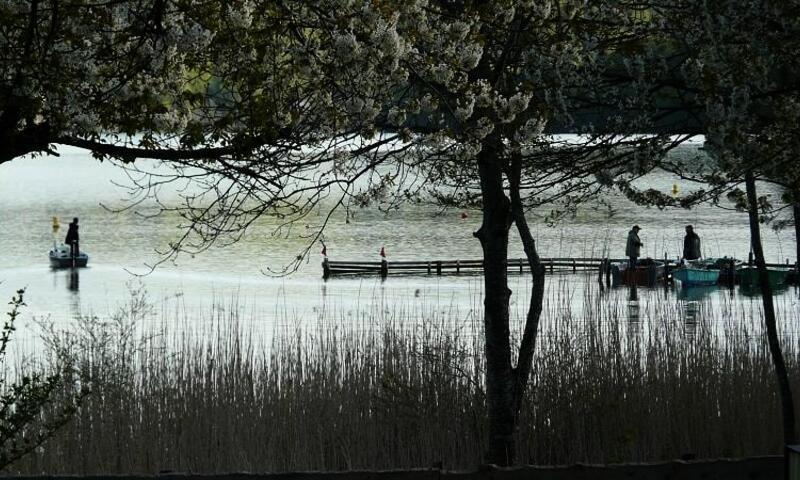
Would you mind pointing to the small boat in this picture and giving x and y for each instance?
(748, 276)
(727, 266)
(647, 272)
(714, 263)
(60, 257)
(693, 275)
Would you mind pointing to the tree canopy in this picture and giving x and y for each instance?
(268, 108)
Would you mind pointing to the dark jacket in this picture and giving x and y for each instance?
(72, 233)
(633, 248)
(691, 246)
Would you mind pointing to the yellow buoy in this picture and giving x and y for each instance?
(675, 189)
(56, 225)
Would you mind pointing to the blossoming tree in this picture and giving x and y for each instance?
(735, 71)
(390, 101)
(268, 108)
(127, 79)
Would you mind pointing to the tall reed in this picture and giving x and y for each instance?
(622, 381)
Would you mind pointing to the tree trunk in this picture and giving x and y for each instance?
(797, 235)
(527, 346)
(787, 403)
(493, 235)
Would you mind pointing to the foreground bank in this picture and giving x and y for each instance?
(386, 391)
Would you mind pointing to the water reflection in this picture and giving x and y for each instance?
(633, 293)
(693, 298)
(74, 280)
(633, 305)
(691, 311)
(695, 305)
(696, 293)
(69, 278)
(749, 290)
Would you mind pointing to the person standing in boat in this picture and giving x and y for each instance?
(691, 244)
(73, 238)
(634, 246)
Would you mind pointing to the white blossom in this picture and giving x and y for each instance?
(429, 104)
(241, 15)
(442, 73)
(397, 116)
(346, 45)
(470, 56)
(482, 129)
(465, 108)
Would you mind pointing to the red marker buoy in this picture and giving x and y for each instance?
(383, 252)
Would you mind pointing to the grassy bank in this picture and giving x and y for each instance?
(623, 382)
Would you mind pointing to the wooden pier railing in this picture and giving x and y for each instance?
(441, 267)
(515, 265)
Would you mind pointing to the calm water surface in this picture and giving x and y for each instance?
(122, 244)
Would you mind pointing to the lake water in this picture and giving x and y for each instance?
(123, 244)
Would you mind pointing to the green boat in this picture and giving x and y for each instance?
(749, 276)
(690, 275)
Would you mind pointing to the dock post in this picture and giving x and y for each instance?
(429, 268)
(608, 272)
(666, 269)
(384, 268)
(458, 266)
(326, 269)
(438, 267)
(750, 259)
(520, 266)
(600, 272)
(574, 266)
(731, 272)
(551, 266)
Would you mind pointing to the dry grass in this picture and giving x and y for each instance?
(385, 394)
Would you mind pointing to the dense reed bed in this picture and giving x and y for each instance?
(624, 381)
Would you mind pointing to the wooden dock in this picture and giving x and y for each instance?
(450, 267)
(554, 265)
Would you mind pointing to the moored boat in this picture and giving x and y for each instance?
(727, 267)
(647, 272)
(693, 275)
(749, 276)
(60, 257)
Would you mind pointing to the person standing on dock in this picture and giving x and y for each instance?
(691, 244)
(73, 238)
(634, 246)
